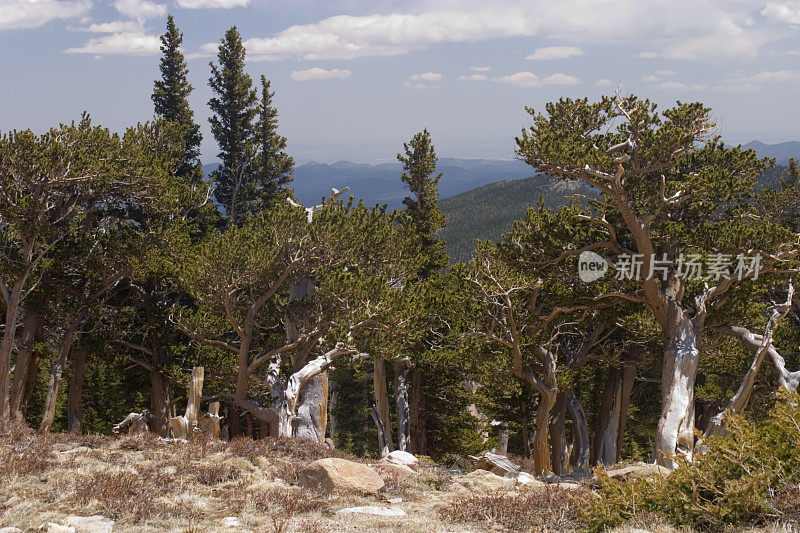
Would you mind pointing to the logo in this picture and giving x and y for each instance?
(591, 266)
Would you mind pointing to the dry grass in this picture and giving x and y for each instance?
(536, 509)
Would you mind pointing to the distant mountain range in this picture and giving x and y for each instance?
(381, 183)
(781, 152)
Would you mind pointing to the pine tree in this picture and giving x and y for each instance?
(234, 107)
(419, 164)
(274, 166)
(170, 99)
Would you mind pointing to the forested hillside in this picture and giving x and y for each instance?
(489, 211)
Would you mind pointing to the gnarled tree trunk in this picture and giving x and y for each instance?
(613, 414)
(32, 328)
(58, 369)
(675, 432)
(541, 440)
(558, 439)
(75, 396)
(580, 433)
(381, 396)
(160, 402)
(401, 400)
(418, 413)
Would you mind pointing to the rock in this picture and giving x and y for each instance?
(394, 501)
(497, 464)
(10, 530)
(398, 472)
(638, 470)
(230, 522)
(332, 474)
(526, 479)
(90, 524)
(374, 511)
(399, 457)
(79, 449)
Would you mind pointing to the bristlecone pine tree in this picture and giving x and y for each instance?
(234, 107)
(274, 167)
(170, 99)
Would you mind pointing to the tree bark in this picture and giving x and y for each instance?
(526, 430)
(541, 440)
(401, 400)
(613, 415)
(30, 385)
(418, 416)
(381, 396)
(32, 328)
(502, 438)
(675, 432)
(183, 427)
(7, 345)
(160, 402)
(312, 414)
(75, 397)
(383, 442)
(558, 441)
(58, 369)
(580, 433)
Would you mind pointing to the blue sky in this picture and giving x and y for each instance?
(354, 79)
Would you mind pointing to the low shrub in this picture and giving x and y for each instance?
(746, 477)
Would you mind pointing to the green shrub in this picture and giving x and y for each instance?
(738, 479)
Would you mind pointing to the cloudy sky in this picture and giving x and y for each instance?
(355, 78)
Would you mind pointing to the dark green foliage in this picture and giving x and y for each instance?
(419, 164)
(274, 167)
(233, 107)
(170, 99)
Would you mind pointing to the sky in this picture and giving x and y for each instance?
(354, 79)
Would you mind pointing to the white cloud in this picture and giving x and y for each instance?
(118, 26)
(561, 79)
(473, 77)
(795, 53)
(480, 69)
(774, 76)
(555, 52)
(715, 30)
(786, 12)
(212, 4)
(523, 79)
(140, 10)
(648, 55)
(127, 43)
(529, 79)
(605, 82)
(320, 74)
(427, 76)
(16, 14)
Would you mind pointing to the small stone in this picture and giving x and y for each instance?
(525, 478)
(399, 457)
(374, 511)
(10, 529)
(394, 501)
(90, 524)
(230, 522)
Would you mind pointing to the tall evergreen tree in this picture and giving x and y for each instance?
(274, 167)
(234, 107)
(170, 99)
(419, 165)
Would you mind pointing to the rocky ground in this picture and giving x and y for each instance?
(142, 483)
